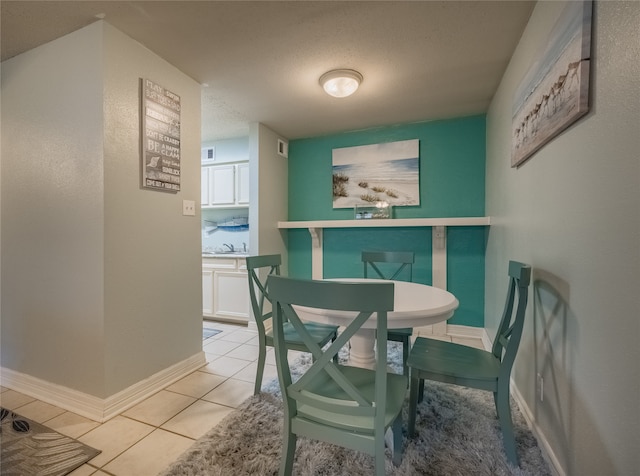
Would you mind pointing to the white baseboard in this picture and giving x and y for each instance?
(452, 330)
(455, 330)
(94, 408)
(547, 450)
(486, 341)
(545, 446)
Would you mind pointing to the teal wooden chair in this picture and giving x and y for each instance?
(346, 406)
(320, 333)
(392, 265)
(469, 367)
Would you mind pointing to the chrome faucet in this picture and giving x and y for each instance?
(229, 246)
(244, 247)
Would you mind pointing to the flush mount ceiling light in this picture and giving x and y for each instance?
(341, 83)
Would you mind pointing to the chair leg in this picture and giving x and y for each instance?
(413, 404)
(397, 440)
(504, 415)
(379, 453)
(421, 391)
(405, 354)
(288, 449)
(262, 357)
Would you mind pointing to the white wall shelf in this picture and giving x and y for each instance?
(392, 222)
(438, 237)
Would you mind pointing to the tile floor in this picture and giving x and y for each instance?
(145, 439)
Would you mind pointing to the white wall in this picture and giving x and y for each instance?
(269, 192)
(573, 212)
(100, 278)
(153, 263)
(52, 212)
(229, 150)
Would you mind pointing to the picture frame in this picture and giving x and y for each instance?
(554, 93)
(159, 138)
(382, 210)
(368, 174)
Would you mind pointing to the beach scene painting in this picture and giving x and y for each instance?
(368, 175)
(555, 91)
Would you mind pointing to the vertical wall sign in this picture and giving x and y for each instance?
(160, 137)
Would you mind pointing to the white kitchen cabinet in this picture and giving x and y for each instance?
(222, 185)
(204, 186)
(242, 195)
(231, 295)
(225, 289)
(225, 186)
(207, 291)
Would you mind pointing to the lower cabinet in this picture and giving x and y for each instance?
(207, 292)
(225, 289)
(230, 296)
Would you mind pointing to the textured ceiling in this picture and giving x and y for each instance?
(260, 61)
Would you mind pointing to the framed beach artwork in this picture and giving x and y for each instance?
(555, 91)
(368, 175)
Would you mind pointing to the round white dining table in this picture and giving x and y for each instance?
(415, 305)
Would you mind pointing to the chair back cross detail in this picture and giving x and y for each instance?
(269, 265)
(258, 287)
(392, 265)
(400, 261)
(343, 405)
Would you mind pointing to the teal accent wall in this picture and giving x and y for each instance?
(452, 184)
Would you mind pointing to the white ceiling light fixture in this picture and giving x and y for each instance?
(340, 83)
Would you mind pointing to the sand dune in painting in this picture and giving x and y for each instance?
(393, 181)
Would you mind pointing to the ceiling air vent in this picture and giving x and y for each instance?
(283, 148)
(208, 154)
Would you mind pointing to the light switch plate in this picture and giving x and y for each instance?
(189, 208)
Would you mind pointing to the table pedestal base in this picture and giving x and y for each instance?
(362, 352)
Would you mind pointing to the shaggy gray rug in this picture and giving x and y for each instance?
(458, 434)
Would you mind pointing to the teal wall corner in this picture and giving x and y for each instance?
(452, 169)
(466, 248)
(452, 184)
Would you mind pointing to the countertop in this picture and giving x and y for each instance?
(233, 255)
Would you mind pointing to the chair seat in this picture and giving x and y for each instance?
(320, 333)
(476, 368)
(364, 379)
(437, 360)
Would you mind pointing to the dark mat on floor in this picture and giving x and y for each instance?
(27, 447)
(207, 332)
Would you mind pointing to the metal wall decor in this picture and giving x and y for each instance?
(160, 137)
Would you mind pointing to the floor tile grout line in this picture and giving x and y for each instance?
(222, 336)
(157, 427)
